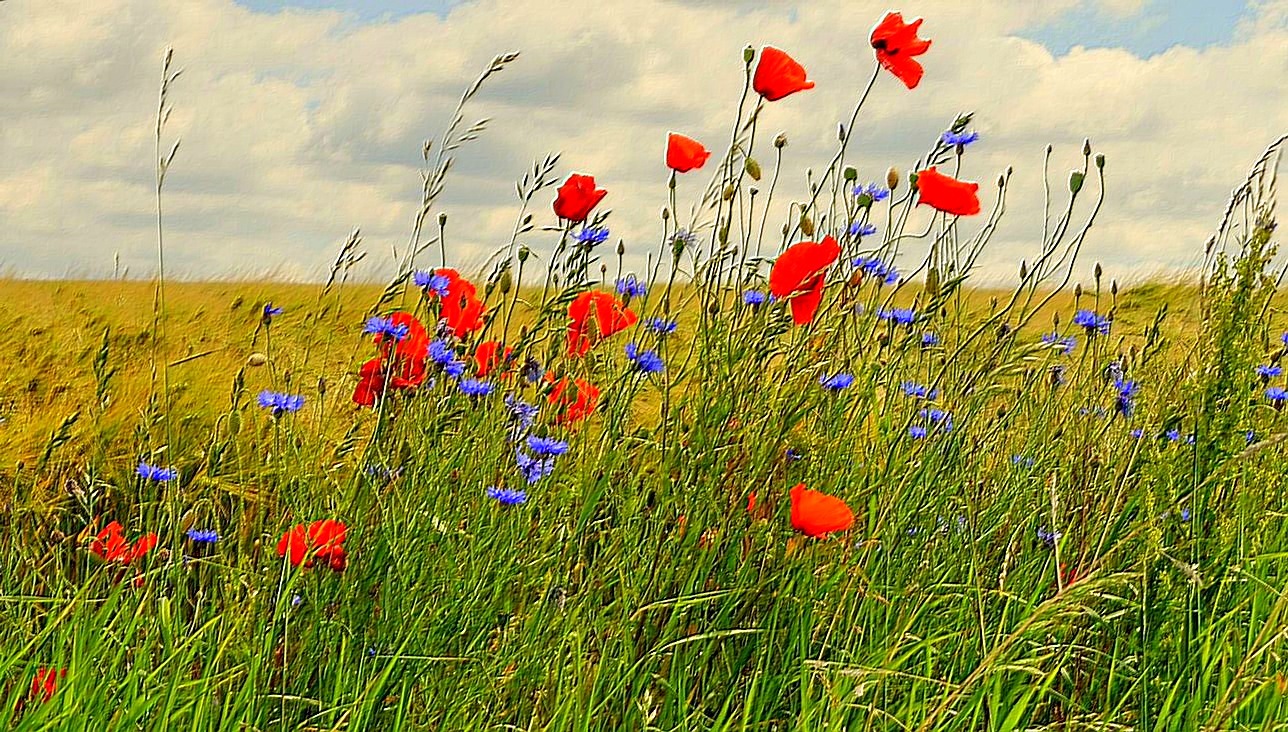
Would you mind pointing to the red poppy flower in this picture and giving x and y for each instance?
(684, 153)
(575, 399)
(321, 540)
(1070, 575)
(461, 308)
(799, 273)
(371, 384)
(111, 546)
(818, 514)
(414, 345)
(577, 196)
(778, 75)
(952, 196)
(490, 356)
(43, 686)
(896, 42)
(611, 316)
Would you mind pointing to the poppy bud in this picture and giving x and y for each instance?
(728, 193)
(1086, 147)
(257, 359)
(753, 168)
(524, 253)
(1113, 287)
(840, 131)
(807, 226)
(442, 219)
(506, 282)
(724, 234)
(1077, 291)
(748, 54)
(892, 178)
(621, 247)
(1024, 270)
(603, 269)
(1075, 182)
(780, 141)
(1097, 272)
(1100, 161)
(714, 307)
(666, 214)
(851, 174)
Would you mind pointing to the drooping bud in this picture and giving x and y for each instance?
(780, 140)
(1075, 181)
(753, 168)
(892, 178)
(851, 173)
(807, 225)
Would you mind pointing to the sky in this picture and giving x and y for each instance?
(303, 120)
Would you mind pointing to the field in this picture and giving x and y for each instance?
(825, 486)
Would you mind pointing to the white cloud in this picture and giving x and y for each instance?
(299, 126)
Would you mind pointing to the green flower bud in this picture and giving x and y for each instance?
(753, 168)
(851, 174)
(1075, 181)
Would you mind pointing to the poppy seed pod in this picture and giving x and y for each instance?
(506, 283)
(780, 141)
(753, 168)
(524, 253)
(748, 54)
(1100, 161)
(257, 359)
(892, 178)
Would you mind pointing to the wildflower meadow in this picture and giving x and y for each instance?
(790, 470)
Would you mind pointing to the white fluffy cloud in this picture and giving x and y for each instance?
(299, 126)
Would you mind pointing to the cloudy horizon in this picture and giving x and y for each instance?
(302, 121)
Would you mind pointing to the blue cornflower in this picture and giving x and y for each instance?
(1065, 344)
(1091, 322)
(929, 339)
(1250, 437)
(533, 468)
(203, 536)
(531, 369)
(592, 235)
(898, 316)
(1277, 394)
(916, 431)
(506, 497)
(454, 369)
(1138, 433)
(951, 138)
(921, 391)
(158, 474)
(1172, 435)
(546, 446)
(475, 387)
(836, 382)
(377, 325)
(522, 414)
(1269, 372)
(862, 229)
(874, 267)
(794, 455)
(755, 297)
(1048, 537)
(631, 287)
(441, 352)
(683, 238)
(647, 361)
(436, 283)
(1022, 461)
(872, 191)
(280, 403)
(1185, 515)
(661, 326)
(271, 311)
(1284, 338)
(936, 416)
(1126, 394)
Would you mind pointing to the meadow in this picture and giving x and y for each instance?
(795, 476)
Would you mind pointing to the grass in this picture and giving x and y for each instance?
(1090, 539)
